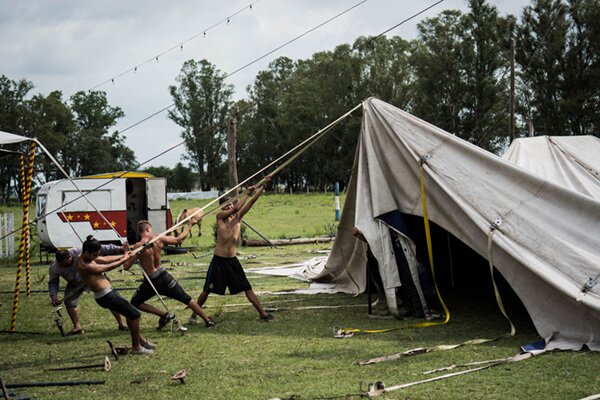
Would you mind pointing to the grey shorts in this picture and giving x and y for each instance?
(73, 293)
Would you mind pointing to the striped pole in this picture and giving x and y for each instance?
(337, 201)
(26, 220)
(15, 305)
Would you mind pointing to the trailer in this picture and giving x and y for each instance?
(65, 218)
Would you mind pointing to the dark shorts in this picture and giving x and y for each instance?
(226, 272)
(114, 302)
(165, 285)
(73, 293)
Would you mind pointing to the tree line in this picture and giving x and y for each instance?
(454, 74)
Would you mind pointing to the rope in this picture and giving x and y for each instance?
(307, 143)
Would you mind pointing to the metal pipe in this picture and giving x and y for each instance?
(40, 384)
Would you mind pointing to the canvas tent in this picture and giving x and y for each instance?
(569, 161)
(545, 238)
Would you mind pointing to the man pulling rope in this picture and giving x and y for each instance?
(158, 278)
(225, 269)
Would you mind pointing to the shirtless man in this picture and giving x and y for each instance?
(163, 281)
(91, 268)
(225, 269)
(65, 266)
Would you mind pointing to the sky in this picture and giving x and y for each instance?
(82, 45)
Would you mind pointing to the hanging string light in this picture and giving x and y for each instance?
(180, 45)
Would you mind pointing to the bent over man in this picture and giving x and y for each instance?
(91, 268)
(225, 269)
(65, 266)
(163, 282)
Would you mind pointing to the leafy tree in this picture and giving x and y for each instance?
(183, 178)
(179, 179)
(202, 100)
(460, 69)
(486, 38)
(261, 137)
(13, 119)
(439, 87)
(541, 51)
(51, 122)
(94, 149)
(581, 104)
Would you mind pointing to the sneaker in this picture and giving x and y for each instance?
(164, 320)
(149, 345)
(193, 319)
(73, 333)
(123, 328)
(141, 351)
(267, 318)
(210, 323)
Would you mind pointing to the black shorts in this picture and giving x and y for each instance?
(114, 302)
(165, 285)
(226, 272)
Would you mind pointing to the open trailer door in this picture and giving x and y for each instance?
(156, 190)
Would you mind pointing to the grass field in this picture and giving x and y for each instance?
(296, 357)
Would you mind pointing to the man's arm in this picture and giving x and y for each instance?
(100, 265)
(184, 233)
(246, 207)
(111, 249)
(54, 283)
(236, 207)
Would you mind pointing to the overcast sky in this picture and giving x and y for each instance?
(78, 45)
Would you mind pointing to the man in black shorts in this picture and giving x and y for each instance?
(65, 266)
(225, 269)
(163, 281)
(91, 268)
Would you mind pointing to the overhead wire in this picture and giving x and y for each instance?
(299, 78)
(228, 75)
(177, 46)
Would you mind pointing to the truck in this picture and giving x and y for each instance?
(120, 199)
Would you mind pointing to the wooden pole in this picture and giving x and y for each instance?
(231, 154)
(511, 103)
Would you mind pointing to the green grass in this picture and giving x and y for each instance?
(297, 356)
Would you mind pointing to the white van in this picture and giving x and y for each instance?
(122, 198)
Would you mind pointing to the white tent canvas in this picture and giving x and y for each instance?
(569, 161)
(545, 236)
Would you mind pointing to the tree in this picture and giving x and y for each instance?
(261, 138)
(541, 51)
(581, 104)
(91, 148)
(13, 119)
(201, 107)
(439, 88)
(51, 122)
(485, 45)
(460, 63)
